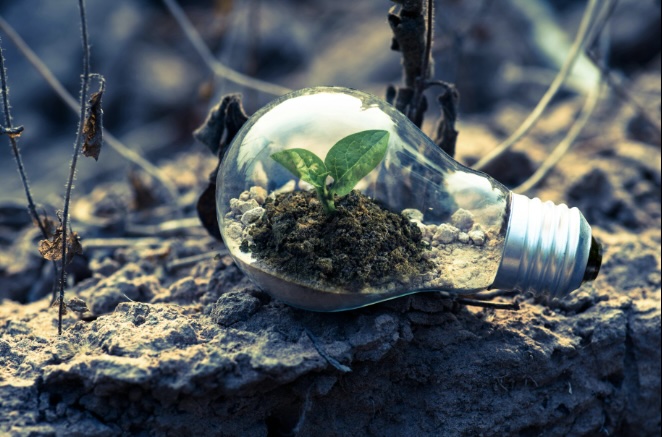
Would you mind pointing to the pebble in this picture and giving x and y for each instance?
(244, 196)
(286, 188)
(463, 238)
(259, 194)
(446, 233)
(412, 214)
(241, 206)
(325, 265)
(233, 230)
(252, 215)
(477, 237)
(462, 219)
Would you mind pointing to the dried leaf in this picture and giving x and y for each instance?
(206, 208)
(93, 128)
(74, 247)
(144, 196)
(52, 249)
(13, 132)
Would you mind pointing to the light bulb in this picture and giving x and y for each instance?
(419, 221)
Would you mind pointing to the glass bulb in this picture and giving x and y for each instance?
(417, 221)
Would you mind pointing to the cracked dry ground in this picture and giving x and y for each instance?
(200, 350)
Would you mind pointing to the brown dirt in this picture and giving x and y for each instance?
(361, 245)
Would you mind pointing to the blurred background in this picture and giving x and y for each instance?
(501, 55)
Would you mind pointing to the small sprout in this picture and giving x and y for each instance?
(347, 162)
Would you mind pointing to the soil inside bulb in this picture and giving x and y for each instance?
(362, 248)
(360, 245)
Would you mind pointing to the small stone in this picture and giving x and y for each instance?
(259, 194)
(244, 196)
(305, 186)
(240, 206)
(233, 230)
(325, 265)
(462, 219)
(446, 233)
(412, 214)
(252, 215)
(463, 238)
(477, 237)
(288, 187)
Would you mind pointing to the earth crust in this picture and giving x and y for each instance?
(178, 342)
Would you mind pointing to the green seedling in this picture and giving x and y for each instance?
(347, 162)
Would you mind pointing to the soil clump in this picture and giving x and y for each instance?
(361, 245)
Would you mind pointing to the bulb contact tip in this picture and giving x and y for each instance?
(594, 261)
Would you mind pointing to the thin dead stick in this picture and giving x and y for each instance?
(116, 243)
(562, 148)
(212, 63)
(421, 81)
(84, 91)
(489, 295)
(165, 228)
(191, 260)
(512, 306)
(590, 14)
(13, 134)
(14, 146)
(480, 300)
(59, 89)
(623, 93)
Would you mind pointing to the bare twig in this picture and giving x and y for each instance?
(116, 243)
(85, 82)
(191, 260)
(491, 294)
(512, 306)
(564, 145)
(212, 63)
(590, 14)
(479, 300)
(623, 93)
(165, 228)
(59, 89)
(13, 133)
(320, 350)
(426, 64)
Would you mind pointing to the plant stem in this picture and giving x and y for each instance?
(19, 159)
(326, 197)
(14, 146)
(74, 159)
(67, 98)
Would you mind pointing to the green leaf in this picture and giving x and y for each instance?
(303, 164)
(353, 157)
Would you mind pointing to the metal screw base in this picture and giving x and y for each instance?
(547, 249)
